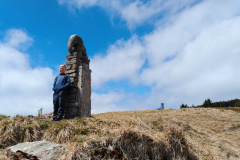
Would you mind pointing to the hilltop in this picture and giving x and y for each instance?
(189, 133)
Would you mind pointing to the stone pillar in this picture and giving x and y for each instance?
(78, 101)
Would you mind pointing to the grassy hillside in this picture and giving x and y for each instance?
(192, 133)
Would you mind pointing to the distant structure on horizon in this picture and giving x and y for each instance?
(78, 101)
(162, 106)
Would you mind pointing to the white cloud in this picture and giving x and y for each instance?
(79, 3)
(122, 61)
(137, 12)
(134, 12)
(17, 39)
(196, 58)
(192, 57)
(23, 89)
(106, 102)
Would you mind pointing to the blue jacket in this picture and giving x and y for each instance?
(61, 83)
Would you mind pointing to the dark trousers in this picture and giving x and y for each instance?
(59, 105)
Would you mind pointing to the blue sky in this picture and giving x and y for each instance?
(143, 52)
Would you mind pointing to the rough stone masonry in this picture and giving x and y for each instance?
(78, 101)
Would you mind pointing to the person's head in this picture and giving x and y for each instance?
(62, 68)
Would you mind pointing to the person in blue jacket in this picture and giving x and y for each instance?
(60, 88)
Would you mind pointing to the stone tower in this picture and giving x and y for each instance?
(78, 101)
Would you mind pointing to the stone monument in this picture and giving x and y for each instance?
(78, 100)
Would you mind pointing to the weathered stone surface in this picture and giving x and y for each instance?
(72, 61)
(71, 56)
(72, 79)
(78, 102)
(72, 112)
(71, 98)
(68, 67)
(42, 150)
(84, 85)
(70, 71)
(75, 43)
(73, 105)
(75, 53)
(72, 91)
(74, 85)
(74, 66)
(73, 75)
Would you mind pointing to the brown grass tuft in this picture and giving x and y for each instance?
(134, 145)
(11, 134)
(3, 117)
(176, 144)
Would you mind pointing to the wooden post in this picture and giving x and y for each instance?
(41, 112)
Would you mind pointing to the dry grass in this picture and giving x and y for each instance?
(229, 108)
(193, 133)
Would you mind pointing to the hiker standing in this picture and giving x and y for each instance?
(60, 88)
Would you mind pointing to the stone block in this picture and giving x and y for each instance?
(74, 66)
(68, 67)
(69, 56)
(72, 79)
(72, 105)
(75, 54)
(71, 112)
(74, 85)
(73, 75)
(72, 61)
(72, 91)
(71, 98)
(70, 71)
